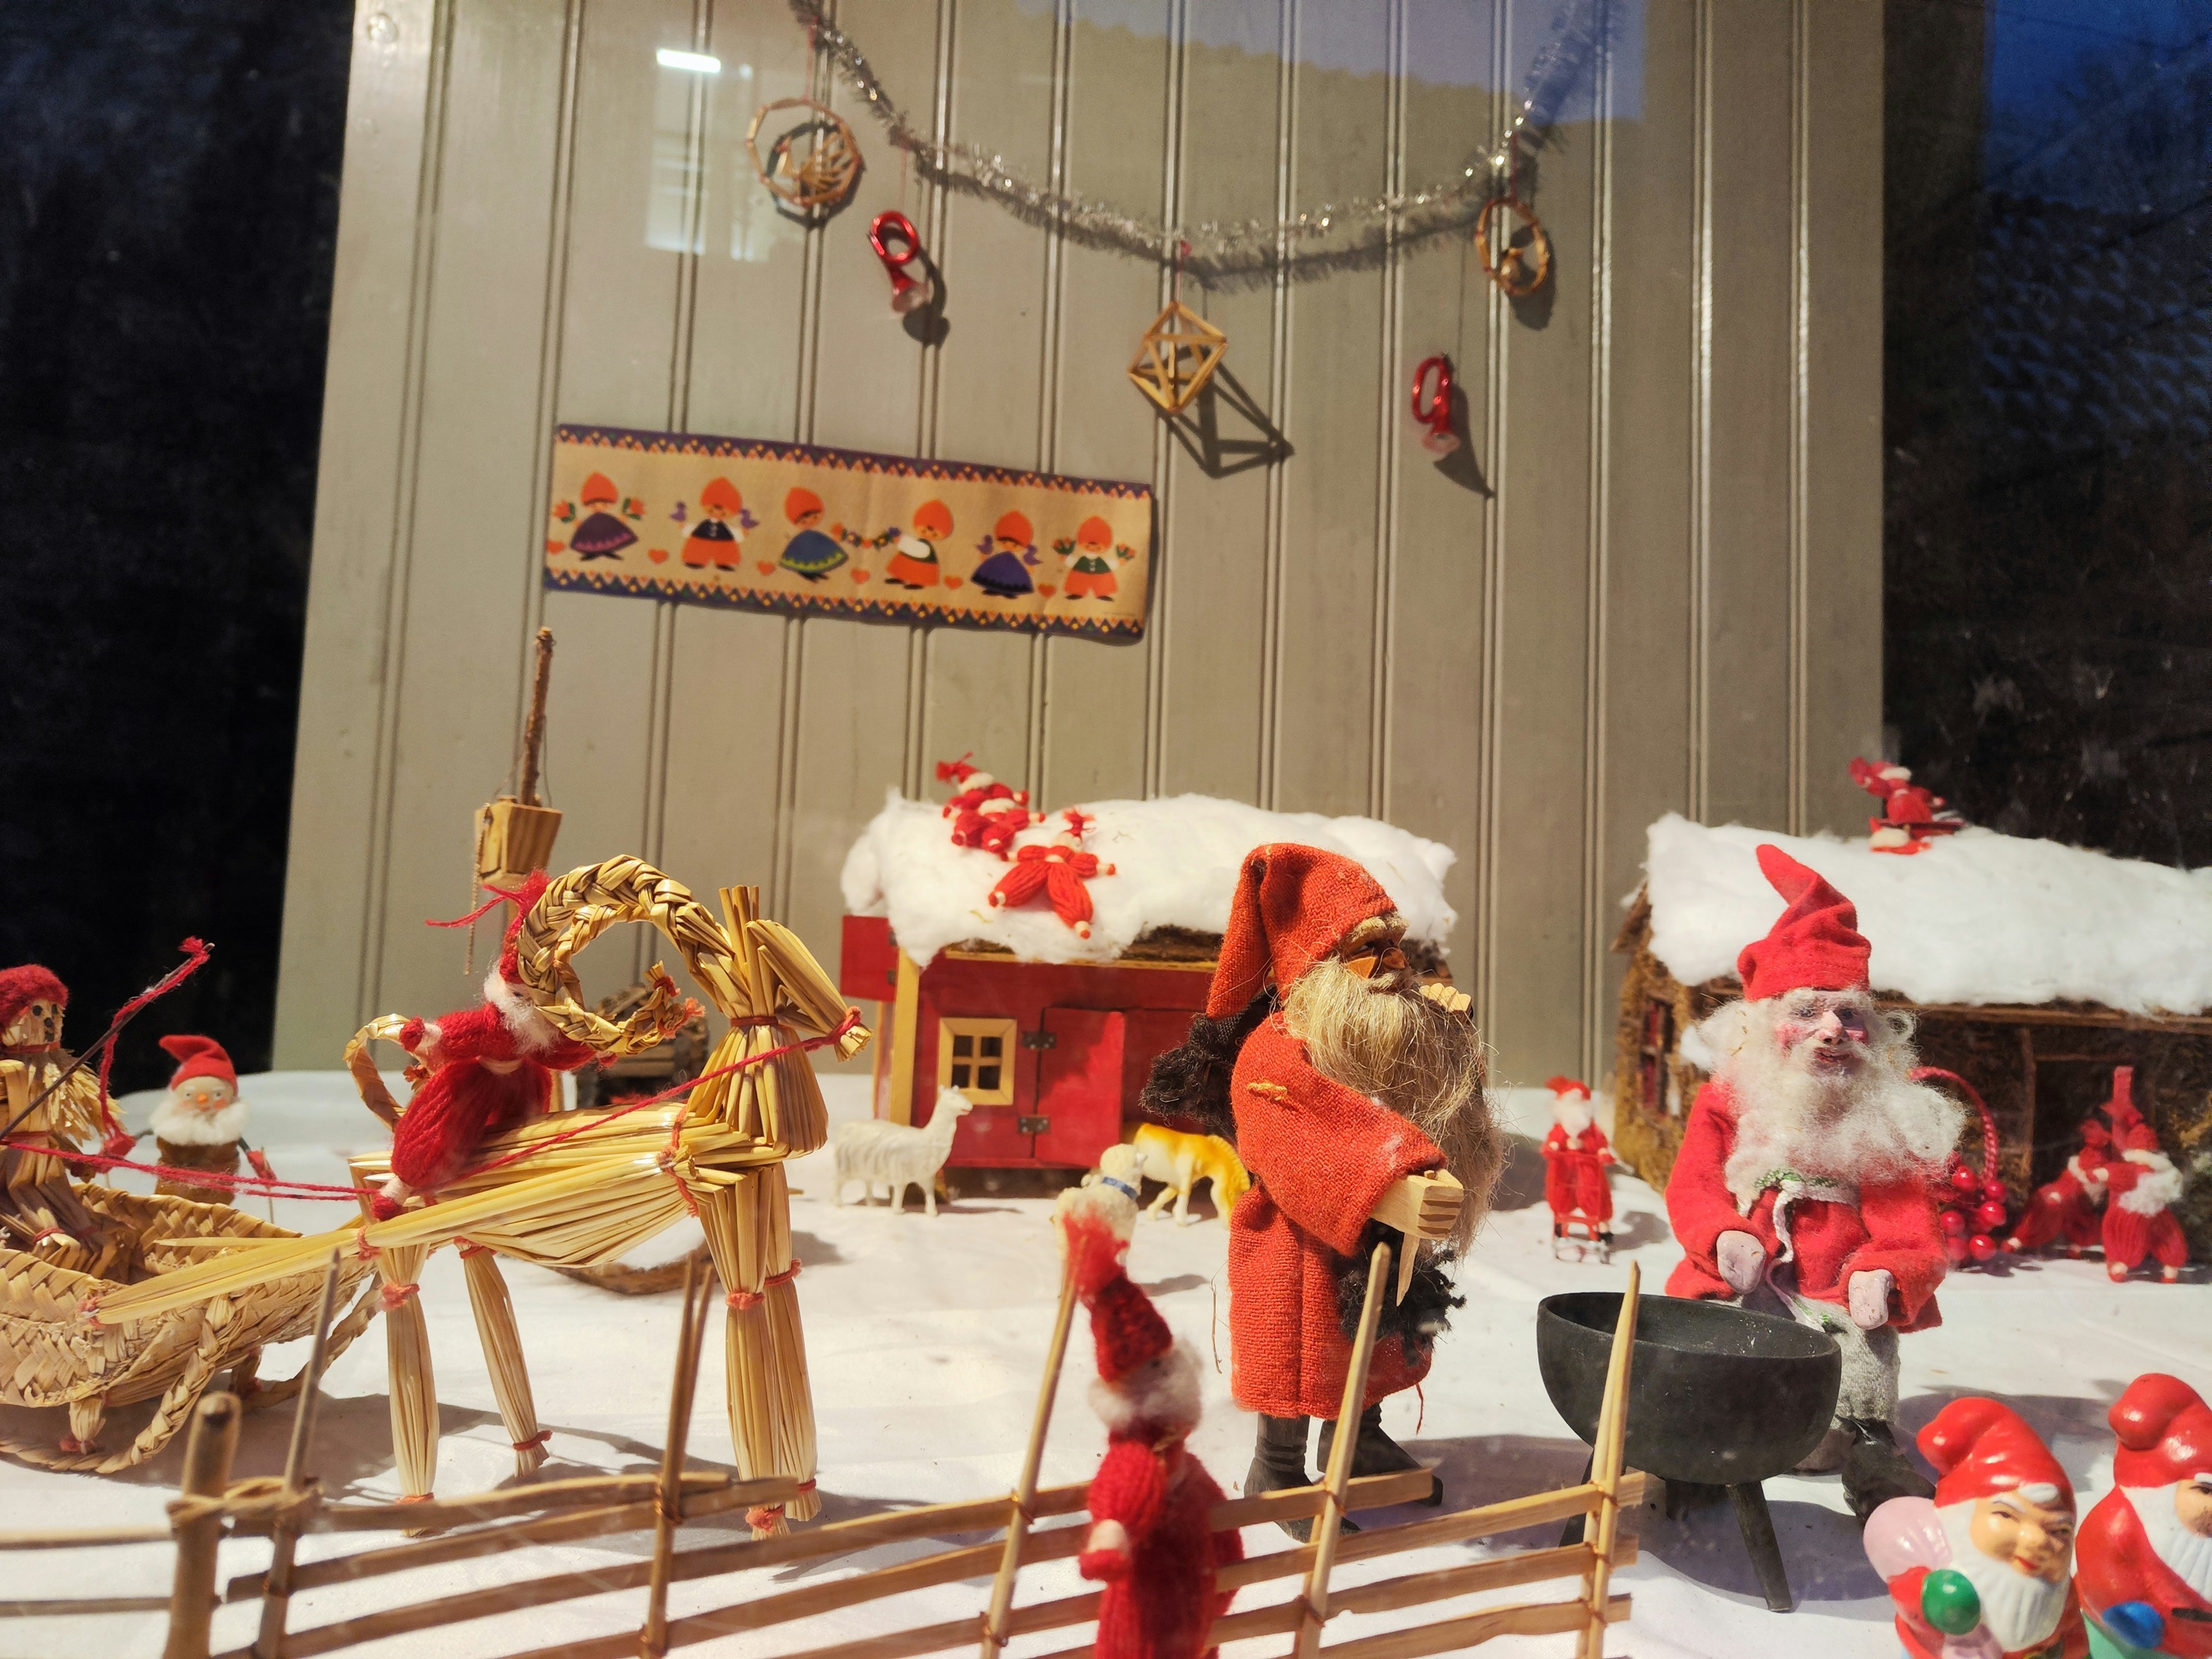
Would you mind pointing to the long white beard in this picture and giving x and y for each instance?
(1876, 1125)
(2187, 1554)
(187, 1126)
(2020, 1611)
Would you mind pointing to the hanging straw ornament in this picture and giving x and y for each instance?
(1518, 272)
(1179, 352)
(813, 166)
(898, 244)
(1433, 404)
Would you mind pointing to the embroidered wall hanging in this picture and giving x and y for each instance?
(794, 528)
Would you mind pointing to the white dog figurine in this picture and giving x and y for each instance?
(897, 1155)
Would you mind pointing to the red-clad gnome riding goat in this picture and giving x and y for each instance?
(2145, 1556)
(1806, 1182)
(1149, 1542)
(1337, 1075)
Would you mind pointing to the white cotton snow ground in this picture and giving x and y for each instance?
(926, 1340)
(1176, 863)
(1976, 918)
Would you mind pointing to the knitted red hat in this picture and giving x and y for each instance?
(200, 1057)
(523, 897)
(21, 987)
(1815, 945)
(2165, 1432)
(1124, 1324)
(1293, 906)
(2121, 1106)
(1568, 1085)
(1981, 1448)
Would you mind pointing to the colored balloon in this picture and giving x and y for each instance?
(1948, 1601)
(1903, 1534)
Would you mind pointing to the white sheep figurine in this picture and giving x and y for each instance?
(898, 1155)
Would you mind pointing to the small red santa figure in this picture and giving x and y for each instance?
(200, 1123)
(2143, 1187)
(1983, 1572)
(1336, 1075)
(1575, 1154)
(1059, 870)
(985, 814)
(2069, 1207)
(1149, 1542)
(1806, 1179)
(2145, 1571)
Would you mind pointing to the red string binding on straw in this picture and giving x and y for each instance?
(742, 1300)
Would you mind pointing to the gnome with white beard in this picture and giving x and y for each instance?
(200, 1124)
(2146, 1567)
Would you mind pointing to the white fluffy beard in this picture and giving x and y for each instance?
(2188, 1555)
(1160, 1395)
(1874, 1124)
(2020, 1611)
(2156, 1191)
(533, 1032)
(181, 1125)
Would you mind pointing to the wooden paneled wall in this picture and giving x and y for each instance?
(1652, 580)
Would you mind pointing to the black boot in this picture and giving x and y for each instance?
(1876, 1468)
(1376, 1453)
(1279, 1464)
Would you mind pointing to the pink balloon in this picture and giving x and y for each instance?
(1906, 1532)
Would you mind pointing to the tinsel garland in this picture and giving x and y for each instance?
(1332, 236)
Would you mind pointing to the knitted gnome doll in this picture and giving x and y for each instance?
(2144, 1185)
(985, 812)
(200, 1124)
(1576, 1153)
(1806, 1182)
(491, 1068)
(1148, 1543)
(2068, 1208)
(1335, 1075)
(1985, 1570)
(2146, 1550)
(1059, 871)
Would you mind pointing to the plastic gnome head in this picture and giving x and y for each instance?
(2164, 1466)
(31, 1002)
(1821, 1077)
(2007, 1509)
(202, 1107)
(1571, 1103)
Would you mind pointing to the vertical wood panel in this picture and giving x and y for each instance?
(1747, 718)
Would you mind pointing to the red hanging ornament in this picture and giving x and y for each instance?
(898, 244)
(1433, 404)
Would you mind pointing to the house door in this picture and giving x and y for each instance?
(1078, 1111)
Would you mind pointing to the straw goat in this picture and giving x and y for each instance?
(897, 1155)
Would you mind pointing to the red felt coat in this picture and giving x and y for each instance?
(483, 1082)
(1922, 1640)
(1160, 1601)
(1886, 1225)
(2113, 1562)
(2130, 1236)
(1320, 1157)
(1574, 1174)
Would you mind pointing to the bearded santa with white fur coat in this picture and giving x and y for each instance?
(200, 1123)
(1806, 1183)
(2145, 1555)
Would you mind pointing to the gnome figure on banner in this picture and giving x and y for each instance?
(2143, 1187)
(1336, 1075)
(809, 553)
(985, 812)
(1575, 1156)
(713, 542)
(2071, 1207)
(1806, 1182)
(914, 556)
(1009, 552)
(200, 1123)
(1983, 1572)
(1148, 1543)
(2146, 1550)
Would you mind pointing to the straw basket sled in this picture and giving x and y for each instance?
(53, 1356)
(579, 1189)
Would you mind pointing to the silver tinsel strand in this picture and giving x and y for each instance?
(1333, 236)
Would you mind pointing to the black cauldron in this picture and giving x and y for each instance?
(1716, 1397)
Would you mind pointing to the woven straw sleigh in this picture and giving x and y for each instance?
(580, 1189)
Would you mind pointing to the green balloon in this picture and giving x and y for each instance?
(1948, 1602)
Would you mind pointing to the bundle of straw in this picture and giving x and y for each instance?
(414, 1388)
(503, 1348)
(748, 1227)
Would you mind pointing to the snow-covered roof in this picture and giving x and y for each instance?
(1976, 918)
(1176, 863)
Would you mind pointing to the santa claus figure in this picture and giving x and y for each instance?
(2142, 1186)
(1806, 1182)
(1575, 1154)
(1149, 1542)
(985, 814)
(47, 1110)
(1985, 1571)
(200, 1124)
(490, 1069)
(2146, 1552)
(1337, 1077)
(2069, 1207)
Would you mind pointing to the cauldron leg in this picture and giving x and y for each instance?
(1757, 1528)
(1572, 1532)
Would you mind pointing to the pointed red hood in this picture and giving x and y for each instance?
(1815, 943)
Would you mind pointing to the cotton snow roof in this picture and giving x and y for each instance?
(1976, 918)
(1175, 864)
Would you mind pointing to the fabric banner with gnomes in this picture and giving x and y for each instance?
(791, 528)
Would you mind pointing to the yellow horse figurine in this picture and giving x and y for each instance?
(1182, 1161)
